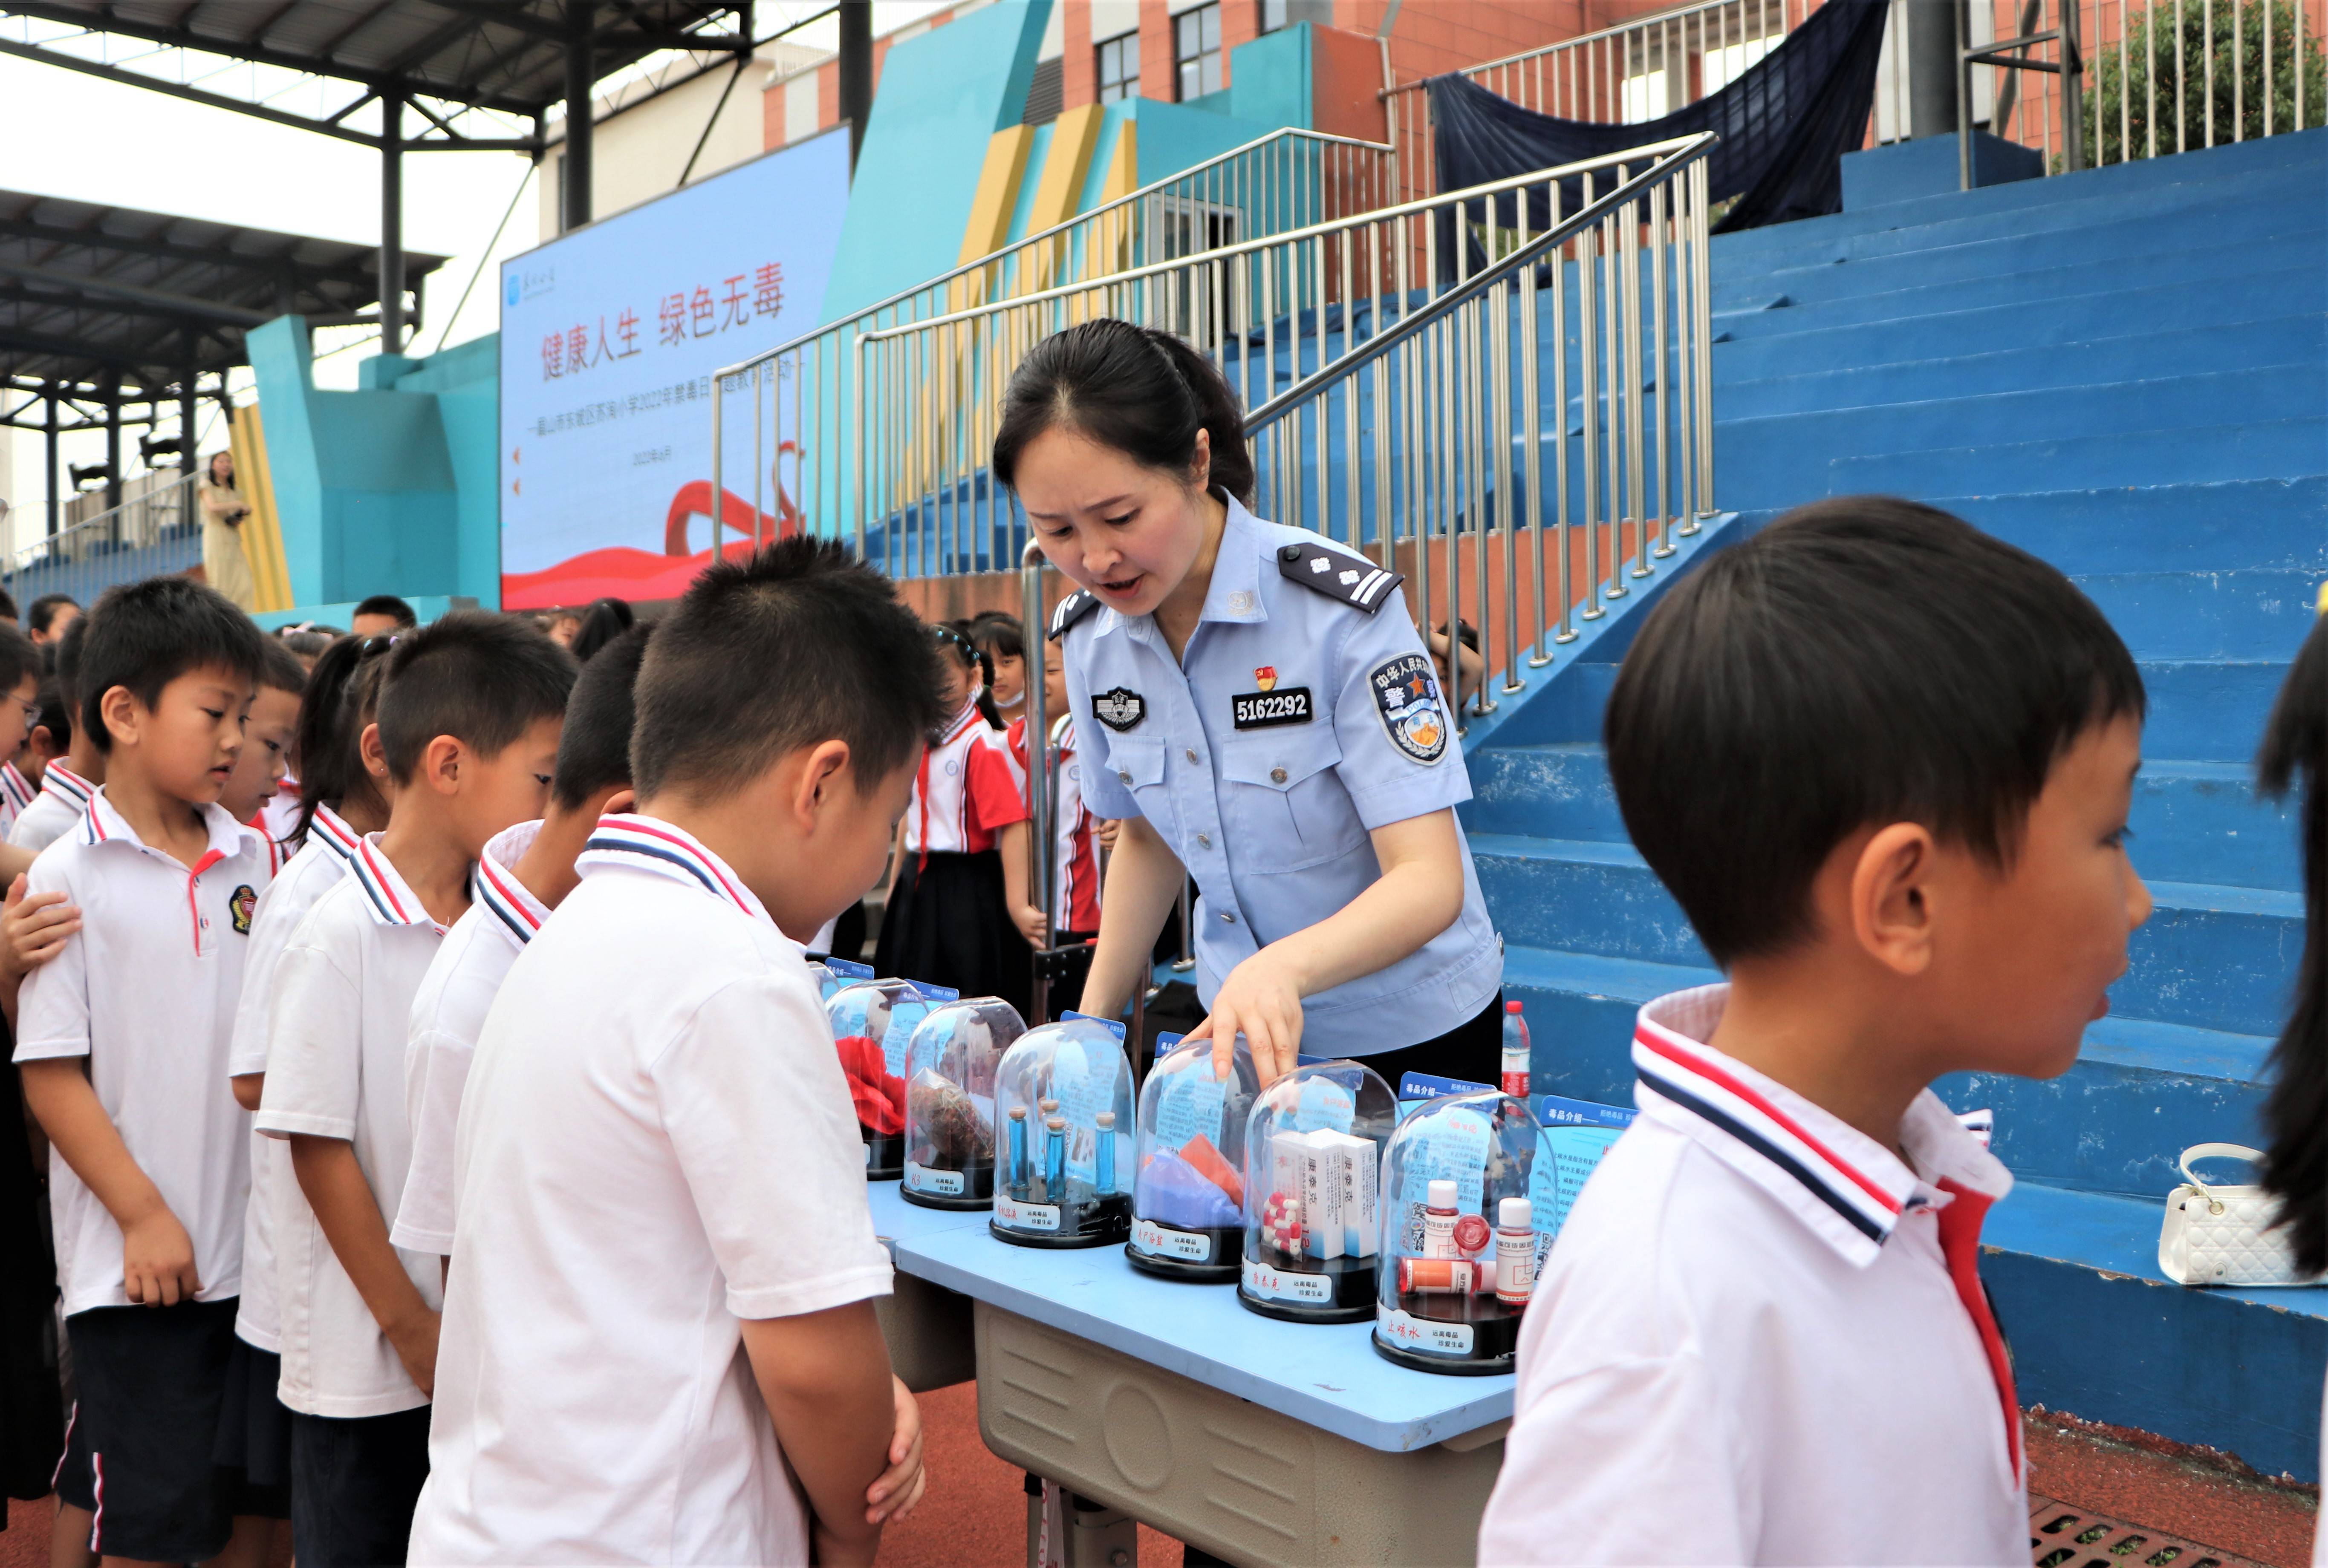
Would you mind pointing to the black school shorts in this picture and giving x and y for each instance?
(354, 1483)
(151, 1382)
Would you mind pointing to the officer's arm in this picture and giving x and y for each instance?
(1144, 879)
(1418, 894)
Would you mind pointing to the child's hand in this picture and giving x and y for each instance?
(34, 928)
(414, 1340)
(157, 1260)
(1109, 826)
(1260, 1000)
(1031, 925)
(896, 1489)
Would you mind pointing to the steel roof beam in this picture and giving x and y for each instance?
(162, 299)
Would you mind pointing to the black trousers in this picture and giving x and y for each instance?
(1473, 1051)
(353, 1486)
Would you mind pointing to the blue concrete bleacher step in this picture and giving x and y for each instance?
(2126, 372)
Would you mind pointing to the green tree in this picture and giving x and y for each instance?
(2128, 101)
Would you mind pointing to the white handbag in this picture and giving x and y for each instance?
(2223, 1235)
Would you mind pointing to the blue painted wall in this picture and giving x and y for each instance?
(389, 489)
(943, 96)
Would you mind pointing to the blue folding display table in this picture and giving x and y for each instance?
(1260, 1441)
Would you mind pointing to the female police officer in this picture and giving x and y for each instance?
(1261, 713)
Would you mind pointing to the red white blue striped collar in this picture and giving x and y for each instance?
(16, 792)
(1847, 1188)
(386, 894)
(510, 905)
(636, 843)
(331, 830)
(101, 824)
(68, 786)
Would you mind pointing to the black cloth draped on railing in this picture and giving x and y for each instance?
(1784, 124)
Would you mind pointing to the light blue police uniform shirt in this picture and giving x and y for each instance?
(1300, 723)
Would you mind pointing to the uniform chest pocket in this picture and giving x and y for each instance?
(1284, 806)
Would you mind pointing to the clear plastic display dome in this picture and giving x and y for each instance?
(950, 1101)
(872, 1022)
(1460, 1247)
(1188, 1190)
(1062, 1126)
(1312, 1159)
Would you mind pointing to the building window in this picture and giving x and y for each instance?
(1196, 50)
(1119, 69)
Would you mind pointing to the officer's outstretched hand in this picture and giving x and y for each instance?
(1260, 1001)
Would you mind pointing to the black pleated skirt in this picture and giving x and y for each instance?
(948, 924)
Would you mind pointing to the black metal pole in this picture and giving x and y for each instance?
(113, 441)
(391, 224)
(188, 456)
(56, 501)
(581, 27)
(856, 72)
(1931, 42)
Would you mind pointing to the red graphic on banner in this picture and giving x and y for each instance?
(636, 574)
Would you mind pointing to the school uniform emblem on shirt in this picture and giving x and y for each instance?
(1119, 708)
(244, 901)
(1406, 697)
(1262, 709)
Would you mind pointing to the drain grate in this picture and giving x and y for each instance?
(2062, 1536)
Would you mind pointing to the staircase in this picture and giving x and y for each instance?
(2125, 371)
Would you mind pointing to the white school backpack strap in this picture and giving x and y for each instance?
(2223, 1235)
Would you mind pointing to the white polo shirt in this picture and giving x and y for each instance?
(657, 1142)
(306, 877)
(16, 792)
(343, 991)
(1761, 1338)
(448, 1013)
(146, 991)
(64, 796)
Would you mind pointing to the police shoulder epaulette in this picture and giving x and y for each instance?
(1072, 609)
(1352, 580)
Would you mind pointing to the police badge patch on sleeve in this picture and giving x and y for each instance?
(1119, 708)
(1407, 698)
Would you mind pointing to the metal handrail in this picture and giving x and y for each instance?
(1423, 206)
(965, 269)
(1682, 151)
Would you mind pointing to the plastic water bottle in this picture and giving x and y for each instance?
(1516, 1052)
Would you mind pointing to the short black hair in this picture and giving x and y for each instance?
(8, 605)
(1862, 660)
(44, 610)
(19, 656)
(64, 661)
(146, 635)
(998, 635)
(388, 605)
(279, 668)
(56, 717)
(604, 620)
(481, 678)
(594, 749)
(799, 644)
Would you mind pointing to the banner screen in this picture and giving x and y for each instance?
(609, 340)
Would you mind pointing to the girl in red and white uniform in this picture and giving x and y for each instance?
(958, 911)
(1074, 841)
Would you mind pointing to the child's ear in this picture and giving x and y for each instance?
(824, 775)
(1891, 898)
(374, 755)
(441, 764)
(122, 713)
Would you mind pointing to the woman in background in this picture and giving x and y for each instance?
(224, 566)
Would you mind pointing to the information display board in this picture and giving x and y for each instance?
(609, 340)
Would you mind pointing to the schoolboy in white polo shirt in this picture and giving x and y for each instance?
(1884, 763)
(659, 1341)
(68, 783)
(522, 874)
(468, 722)
(122, 1044)
(255, 1434)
